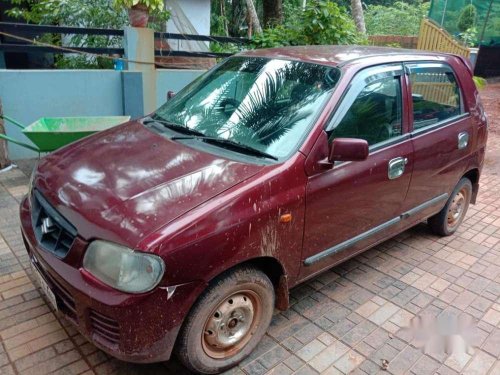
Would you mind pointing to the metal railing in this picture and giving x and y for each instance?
(34, 31)
(27, 32)
(192, 37)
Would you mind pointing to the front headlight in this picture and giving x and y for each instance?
(122, 268)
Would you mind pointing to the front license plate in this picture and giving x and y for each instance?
(46, 289)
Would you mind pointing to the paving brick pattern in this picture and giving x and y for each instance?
(350, 319)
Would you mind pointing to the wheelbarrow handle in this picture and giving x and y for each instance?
(9, 139)
(11, 120)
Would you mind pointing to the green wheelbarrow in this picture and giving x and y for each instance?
(50, 133)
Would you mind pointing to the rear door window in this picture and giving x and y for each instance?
(435, 92)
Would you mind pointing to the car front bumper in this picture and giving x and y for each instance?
(136, 328)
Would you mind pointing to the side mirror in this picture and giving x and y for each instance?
(170, 94)
(348, 149)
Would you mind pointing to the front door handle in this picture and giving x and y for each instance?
(396, 167)
(463, 140)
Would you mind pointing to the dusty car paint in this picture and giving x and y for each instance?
(108, 189)
(204, 214)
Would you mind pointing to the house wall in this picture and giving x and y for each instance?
(28, 95)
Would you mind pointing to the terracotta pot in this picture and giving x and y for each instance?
(138, 15)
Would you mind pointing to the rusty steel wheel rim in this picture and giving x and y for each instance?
(457, 208)
(232, 324)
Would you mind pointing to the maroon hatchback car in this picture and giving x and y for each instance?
(182, 231)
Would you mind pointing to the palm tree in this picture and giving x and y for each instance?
(357, 14)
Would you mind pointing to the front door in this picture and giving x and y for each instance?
(354, 204)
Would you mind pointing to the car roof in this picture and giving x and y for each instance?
(340, 55)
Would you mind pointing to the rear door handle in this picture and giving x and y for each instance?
(396, 167)
(463, 140)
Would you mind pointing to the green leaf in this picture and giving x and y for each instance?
(322, 22)
(479, 82)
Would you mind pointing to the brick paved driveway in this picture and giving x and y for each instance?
(347, 320)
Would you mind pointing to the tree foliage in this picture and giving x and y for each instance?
(88, 13)
(467, 18)
(401, 18)
(469, 37)
(79, 13)
(151, 5)
(322, 22)
(387, 3)
(286, 22)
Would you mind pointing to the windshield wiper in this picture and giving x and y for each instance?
(177, 127)
(227, 143)
(196, 134)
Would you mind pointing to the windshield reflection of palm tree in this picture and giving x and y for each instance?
(265, 115)
(269, 109)
(205, 112)
(182, 113)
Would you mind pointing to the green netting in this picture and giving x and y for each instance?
(447, 13)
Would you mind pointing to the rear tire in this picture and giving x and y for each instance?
(447, 221)
(227, 322)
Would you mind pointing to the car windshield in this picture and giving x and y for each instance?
(266, 104)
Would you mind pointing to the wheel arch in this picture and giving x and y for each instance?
(473, 176)
(278, 276)
(273, 269)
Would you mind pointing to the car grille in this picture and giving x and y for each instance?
(54, 233)
(105, 327)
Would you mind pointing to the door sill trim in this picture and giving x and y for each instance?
(363, 236)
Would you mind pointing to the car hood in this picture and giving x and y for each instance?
(122, 184)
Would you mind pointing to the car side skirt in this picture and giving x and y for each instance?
(365, 235)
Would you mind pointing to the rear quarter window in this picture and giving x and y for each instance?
(436, 94)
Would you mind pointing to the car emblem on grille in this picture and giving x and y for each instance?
(47, 225)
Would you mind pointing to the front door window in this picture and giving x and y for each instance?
(373, 112)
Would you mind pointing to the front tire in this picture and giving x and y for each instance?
(447, 221)
(227, 322)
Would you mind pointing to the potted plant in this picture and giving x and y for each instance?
(139, 10)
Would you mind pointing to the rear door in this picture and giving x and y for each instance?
(441, 136)
(354, 204)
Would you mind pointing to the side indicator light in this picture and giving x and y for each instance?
(285, 218)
